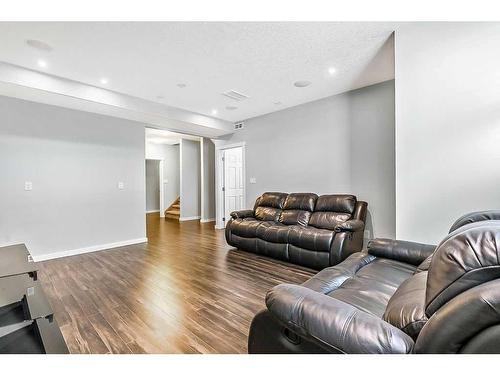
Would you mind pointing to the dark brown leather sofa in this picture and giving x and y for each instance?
(301, 228)
(397, 297)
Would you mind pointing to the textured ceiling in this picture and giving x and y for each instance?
(261, 60)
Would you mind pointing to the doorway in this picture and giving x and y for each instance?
(230, 174)
(154, 187)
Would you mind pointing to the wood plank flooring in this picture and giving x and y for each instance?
(186, 291)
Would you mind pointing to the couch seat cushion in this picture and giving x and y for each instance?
(273, 232)
(371, 287)
(311, 238)
(245, 227)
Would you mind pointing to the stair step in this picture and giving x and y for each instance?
(176, 206)
(173, 212)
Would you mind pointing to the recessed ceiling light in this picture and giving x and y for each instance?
(181, 85)
(38, 44)
(332, 71)
(231, 107)
(104, 81)
(302, 83)
(42, 63)
(214, 112)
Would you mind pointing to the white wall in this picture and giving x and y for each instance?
(190, 179)
(447, 125)
(207, 179)
(171, 168)
(152, 185)
(75, 161)
(340, 144)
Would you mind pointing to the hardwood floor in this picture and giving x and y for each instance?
(186, 291)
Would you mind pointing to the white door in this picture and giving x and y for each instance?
(233, 181)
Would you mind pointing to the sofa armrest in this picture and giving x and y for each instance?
(242, 214)
(333, 323)
(409, 252)
(353, 225)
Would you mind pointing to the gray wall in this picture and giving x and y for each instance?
(190, 178)
(340, 144)
(75, 161)
(447, 125)
(171, 169)
(208, 179)
(152, 185)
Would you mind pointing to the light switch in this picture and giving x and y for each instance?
(253, 180)
(121, 185)
(28, 185)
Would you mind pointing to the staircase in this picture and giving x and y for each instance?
(174, 211)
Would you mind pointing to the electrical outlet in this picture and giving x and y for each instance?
(121, 185)
(28, 185)
(253, 180)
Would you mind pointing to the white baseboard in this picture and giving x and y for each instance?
(90, 249)
(219, 226)
(187, 218)
(152, 211)
(207, 220)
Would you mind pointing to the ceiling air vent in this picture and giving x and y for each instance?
(239, 125)
(235, 95)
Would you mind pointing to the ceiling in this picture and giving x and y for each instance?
(166, 137)
(259, 59)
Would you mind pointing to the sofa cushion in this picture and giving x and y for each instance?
(267, 213)
(466, 258)
(273, 232)
(297, 208)
(406, 308)
(245, 227)
(474, 217)
(272, 199)
(371, 287)
(344, 203)
(311, 238)
(331, 210)
(300, 201)
(268, 206)
(295, 217)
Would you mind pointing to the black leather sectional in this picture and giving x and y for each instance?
(396, 297)
(301, 228)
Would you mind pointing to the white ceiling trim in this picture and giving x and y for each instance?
(30, 85)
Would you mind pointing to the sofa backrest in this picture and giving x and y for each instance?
(474, 217)
(331, 210)
(466, 258)
(462, 298)
(269, 205)
(298, 208)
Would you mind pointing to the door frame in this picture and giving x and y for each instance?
(162, 184)
(219, 180)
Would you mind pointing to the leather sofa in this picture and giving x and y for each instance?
(397, 297)
(301, 228)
